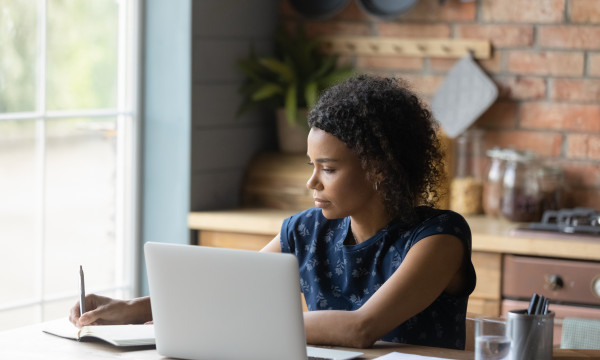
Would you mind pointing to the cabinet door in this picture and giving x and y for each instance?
(485, 299)
(233, 240)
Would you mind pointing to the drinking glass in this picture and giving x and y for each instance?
(491, 340)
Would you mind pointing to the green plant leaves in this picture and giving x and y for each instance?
(291, 79)
(291, 104)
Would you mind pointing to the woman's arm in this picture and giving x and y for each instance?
(431, 266)
(273, 245)
(106, 311)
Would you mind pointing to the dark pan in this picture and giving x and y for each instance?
(386, 8)
(318, 9)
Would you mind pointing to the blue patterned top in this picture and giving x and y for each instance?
(334, 276)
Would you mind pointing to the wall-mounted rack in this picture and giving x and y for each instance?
(386, 46)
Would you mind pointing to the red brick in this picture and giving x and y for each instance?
(424, 85)
(542, 143)
(501, 115)
(413, 30)
(521, 87)
(332, 28)
(569, 37)
(576, 117)
(492, 65)
(546, 63)
(594, 64)
(524, 11)
(583, 146)
(585, 11)
(389, 62)
(582, 174)
(589, 198)
(580, 90)
(432, 10)
(351, 12)
(499, 35)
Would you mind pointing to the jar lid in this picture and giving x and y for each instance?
(519, 155)
(496, 153)
(551, 170)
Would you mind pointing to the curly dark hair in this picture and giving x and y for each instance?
(392, 133)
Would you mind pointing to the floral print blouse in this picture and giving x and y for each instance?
(334, 276)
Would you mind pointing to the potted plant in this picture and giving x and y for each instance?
(289, 82)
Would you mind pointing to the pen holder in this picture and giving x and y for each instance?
(531, 335)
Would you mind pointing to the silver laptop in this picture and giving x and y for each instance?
(224, 304)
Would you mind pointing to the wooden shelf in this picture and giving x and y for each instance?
(389, 46)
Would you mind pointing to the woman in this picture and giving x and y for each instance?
(377, 260)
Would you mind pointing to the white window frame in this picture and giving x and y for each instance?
(128, 154)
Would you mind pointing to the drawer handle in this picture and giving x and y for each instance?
(555, 282)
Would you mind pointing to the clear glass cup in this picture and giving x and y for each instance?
(492, 341)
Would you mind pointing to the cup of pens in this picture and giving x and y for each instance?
(531, 330)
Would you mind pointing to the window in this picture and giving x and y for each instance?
(68, 160)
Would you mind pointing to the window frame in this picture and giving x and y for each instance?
(128, 160)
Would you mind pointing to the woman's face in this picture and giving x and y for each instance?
(339, 184)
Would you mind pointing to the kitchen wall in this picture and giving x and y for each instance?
(221, 143)
(546, 63)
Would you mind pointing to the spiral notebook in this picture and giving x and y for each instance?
(117, 335)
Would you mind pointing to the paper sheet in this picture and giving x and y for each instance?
(401, 356)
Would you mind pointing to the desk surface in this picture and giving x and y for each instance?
(31, 343)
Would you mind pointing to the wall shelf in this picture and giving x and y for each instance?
(388, 46)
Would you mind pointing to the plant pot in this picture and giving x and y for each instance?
(292, 137)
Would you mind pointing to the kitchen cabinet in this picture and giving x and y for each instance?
(494, 241)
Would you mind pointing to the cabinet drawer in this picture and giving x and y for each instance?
(557, 279)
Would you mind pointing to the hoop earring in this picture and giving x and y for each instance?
(376, 185)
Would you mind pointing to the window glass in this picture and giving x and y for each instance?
(82, 40)
(18, 193)
(67, 167)
(80, 203)
(18, 43)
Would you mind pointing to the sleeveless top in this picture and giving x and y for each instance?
(334, 276)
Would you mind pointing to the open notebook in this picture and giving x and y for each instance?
(117, 335)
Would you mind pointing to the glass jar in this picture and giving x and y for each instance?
(521, 196)
(492, 187)
(466, 188)
(552, 187)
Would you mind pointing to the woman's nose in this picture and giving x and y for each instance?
(313, 181)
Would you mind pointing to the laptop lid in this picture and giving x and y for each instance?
(213, 303)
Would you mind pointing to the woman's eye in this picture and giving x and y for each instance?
(328, 170)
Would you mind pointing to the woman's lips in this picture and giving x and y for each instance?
(320, 203)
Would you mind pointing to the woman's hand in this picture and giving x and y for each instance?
(107, 311)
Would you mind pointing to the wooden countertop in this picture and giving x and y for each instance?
(31, 343)
(489, 234)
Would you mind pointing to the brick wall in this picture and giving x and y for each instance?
(546, 63)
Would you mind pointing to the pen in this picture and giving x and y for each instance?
(533, 304)
(81, 292)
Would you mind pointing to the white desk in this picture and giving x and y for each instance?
(31, 343)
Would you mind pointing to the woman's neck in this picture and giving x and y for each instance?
(366, 226)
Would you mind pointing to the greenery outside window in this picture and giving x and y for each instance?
(68, 153)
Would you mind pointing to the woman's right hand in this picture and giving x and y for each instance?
(107, 311)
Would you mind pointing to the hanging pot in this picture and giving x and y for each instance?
(318, 9)
(386, 9)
